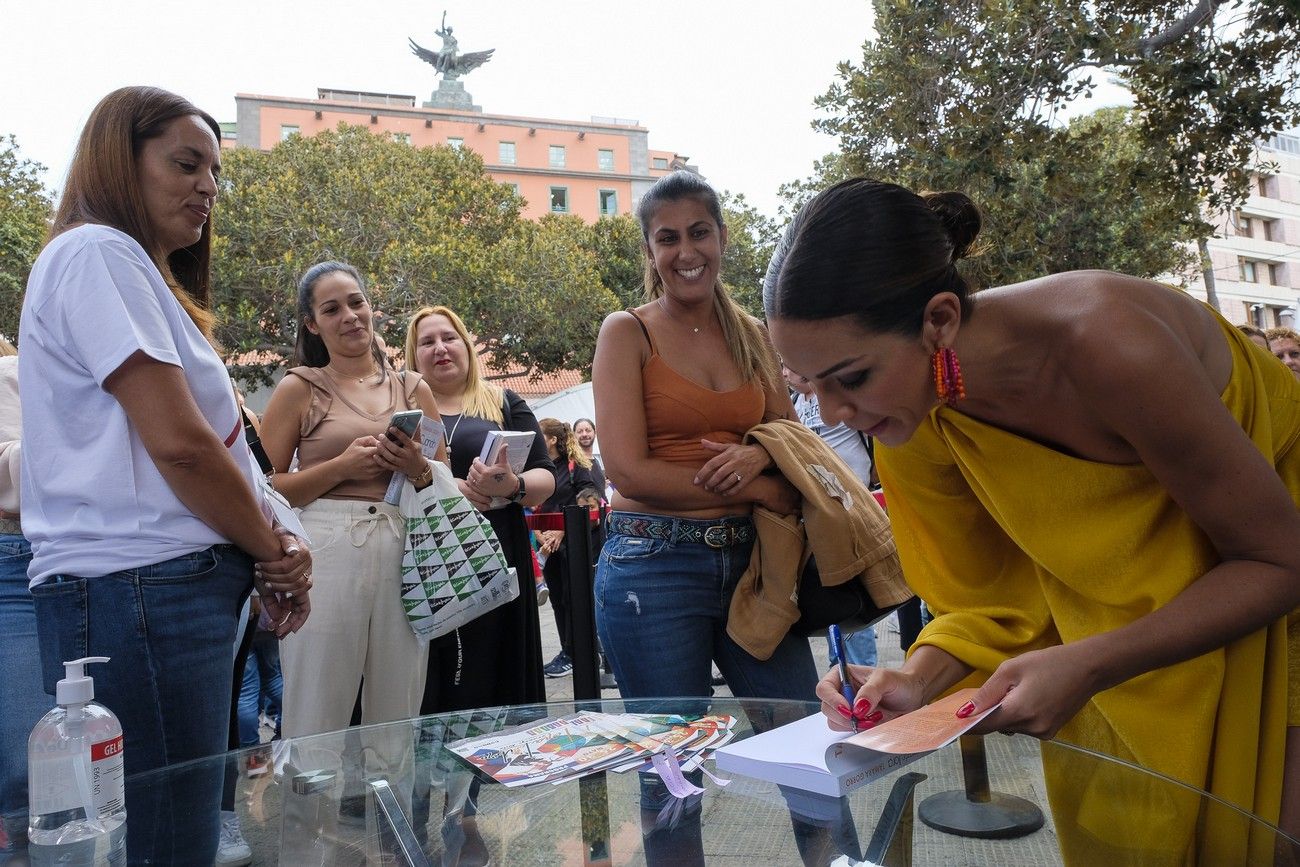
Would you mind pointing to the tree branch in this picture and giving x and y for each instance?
(1198, 17)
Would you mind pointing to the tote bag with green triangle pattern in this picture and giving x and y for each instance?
(453, 568)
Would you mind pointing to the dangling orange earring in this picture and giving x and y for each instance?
(948, 384)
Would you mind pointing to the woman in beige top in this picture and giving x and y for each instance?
(333, 409)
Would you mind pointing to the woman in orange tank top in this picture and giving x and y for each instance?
(678, 381)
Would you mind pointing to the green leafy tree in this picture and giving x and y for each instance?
(423, 225)
(24, 222)
(617, 245)
(751, 238)
(966, 95)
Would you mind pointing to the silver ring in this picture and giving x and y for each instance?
(738, 479)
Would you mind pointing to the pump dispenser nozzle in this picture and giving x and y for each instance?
(76, 687)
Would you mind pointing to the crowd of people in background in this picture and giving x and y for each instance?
(172, 513)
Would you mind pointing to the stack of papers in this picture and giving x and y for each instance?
(568, 747)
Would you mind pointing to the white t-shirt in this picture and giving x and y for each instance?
(847, 442)
(93, 500)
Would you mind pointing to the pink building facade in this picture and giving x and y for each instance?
(590, 168)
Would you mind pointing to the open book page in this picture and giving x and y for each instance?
(808, 754)
(923, 730)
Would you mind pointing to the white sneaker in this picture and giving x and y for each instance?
(232, 850)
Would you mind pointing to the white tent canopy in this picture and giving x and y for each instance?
(568, 405)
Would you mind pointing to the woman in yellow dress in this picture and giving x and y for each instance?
(1093, 481)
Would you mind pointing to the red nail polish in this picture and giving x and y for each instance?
(876, 717)
(844, 712)
(966, 710)
(867, 725)
(863, 707)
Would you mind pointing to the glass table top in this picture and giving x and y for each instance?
(392, 794)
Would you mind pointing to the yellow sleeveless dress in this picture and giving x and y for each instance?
(1016, 546)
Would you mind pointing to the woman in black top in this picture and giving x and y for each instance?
(496, 659)
(573, 486)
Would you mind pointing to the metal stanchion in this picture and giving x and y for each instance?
(977, 811)
(580, 600)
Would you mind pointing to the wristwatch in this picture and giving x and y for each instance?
(518, 496)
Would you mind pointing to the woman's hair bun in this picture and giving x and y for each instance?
(960, 216)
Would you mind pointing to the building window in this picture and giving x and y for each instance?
(455, 142)
(402, 137)
(557, 156)
(1245, 226)
(1272, 230)
(1262, 186)
(1256, 271)
(287, 129)
(560, 200)
(605, 159)
(661, 162)
(608, 203)
(506, 153)
(513, 187)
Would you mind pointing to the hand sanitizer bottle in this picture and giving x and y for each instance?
(75, 775)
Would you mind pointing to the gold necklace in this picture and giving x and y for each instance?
(334, 373)
(669, 314)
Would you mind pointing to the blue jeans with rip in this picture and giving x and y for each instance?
(661, 613)
(167, 629)
(22, 699)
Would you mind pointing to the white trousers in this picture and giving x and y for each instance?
(357, 627)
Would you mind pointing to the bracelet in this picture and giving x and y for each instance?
(425, 477)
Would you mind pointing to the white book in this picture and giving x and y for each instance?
(520, 443)
(809, 755)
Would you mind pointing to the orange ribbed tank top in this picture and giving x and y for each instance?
(680, 412)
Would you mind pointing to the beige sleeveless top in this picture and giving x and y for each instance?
(332, 422)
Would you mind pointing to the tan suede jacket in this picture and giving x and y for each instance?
(841, 524)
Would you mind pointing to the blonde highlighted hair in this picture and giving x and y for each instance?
(565, 442)
(747, 342)
(480, 398)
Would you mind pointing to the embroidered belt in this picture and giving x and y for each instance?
(715, 532)
(11, 527)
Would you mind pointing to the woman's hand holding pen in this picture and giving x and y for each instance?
(880, 694)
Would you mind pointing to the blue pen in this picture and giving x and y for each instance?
(846, 684)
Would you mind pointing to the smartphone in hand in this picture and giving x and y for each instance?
(408, 421)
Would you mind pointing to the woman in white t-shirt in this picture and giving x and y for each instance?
(140, 498)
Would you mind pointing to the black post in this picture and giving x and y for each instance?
(578, 590)
(976, 811)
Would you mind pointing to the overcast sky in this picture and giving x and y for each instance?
(729, 83)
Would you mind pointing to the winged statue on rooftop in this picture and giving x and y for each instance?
(448, 60)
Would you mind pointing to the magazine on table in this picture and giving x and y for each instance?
(568, 747)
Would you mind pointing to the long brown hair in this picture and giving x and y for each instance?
(102, 187)
(481, 398)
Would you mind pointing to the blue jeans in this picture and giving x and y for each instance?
(859, 648)
(167, 629)
(262, 678)
(661, 613)
(22, 700)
